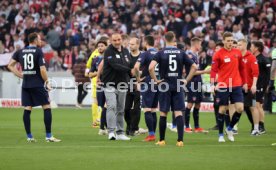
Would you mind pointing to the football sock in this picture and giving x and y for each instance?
(94, 112)
(48, 122)
(187, 117)
(154, 117)
(227, 118)
(220, 123)
(149, 121)
(103, 119)
(196, 117)
(27, 122)
(180, 127)
(235, 119)
(162, 127)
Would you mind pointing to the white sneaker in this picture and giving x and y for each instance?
(142, 131)
(255, 133)
(122, 137)
(102, 132)
(221, 139)
(111, 136)
(52, 139)
(174, 129)
(78, 106)
(230, 135)
(31, 140)
(169, 125)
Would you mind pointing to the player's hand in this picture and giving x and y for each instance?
(48, 86)
(253, 89)
(184, 81)
(213, 89)
(245, 88)
(159, 81)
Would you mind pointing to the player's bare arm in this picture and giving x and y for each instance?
(43, 72)
(152, 72)
(12, 68)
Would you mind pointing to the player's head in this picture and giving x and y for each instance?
(196, 43)
(134, 44)
(257, 47)
(219, 45)
(170, 37)
(125, 38)
(34, 39)
(228, 40)
(235, 44)
(242, 44)
(148, 41)
(101, 45)
(116, 40)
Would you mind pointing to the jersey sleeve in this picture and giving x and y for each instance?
(157, 57)
(214, 67)
(187, 61)
(254, 66)
(93, 65)
(41, 61)
(142, 59)
(242, 69)
(15, 56)
(273, 54)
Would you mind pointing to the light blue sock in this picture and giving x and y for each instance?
(151, 133)
(48, 135)
(29, 135)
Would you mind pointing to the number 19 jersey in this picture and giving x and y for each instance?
(171, 61)
(30, 59)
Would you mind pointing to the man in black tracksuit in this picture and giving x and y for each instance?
(115, 78)
(257, 48)
(133, 104)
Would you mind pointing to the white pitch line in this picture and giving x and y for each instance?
(127, 147)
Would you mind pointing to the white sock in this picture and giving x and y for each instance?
(256, 127)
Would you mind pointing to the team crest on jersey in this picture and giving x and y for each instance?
(236, 56)
(126, 58)
(194, 98)
(217, 100)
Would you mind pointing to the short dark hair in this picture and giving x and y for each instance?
(219, 43)
(259, 45)
(32, 37)
(101, 42)
(227, 34)
(169, 36)
(149, 40)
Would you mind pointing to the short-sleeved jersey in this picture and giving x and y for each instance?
(171, 61)
(264, 71)
(252, 69)
(145, 59)
(95, 63)
(30, 59)
(194, 57)
(229, 66)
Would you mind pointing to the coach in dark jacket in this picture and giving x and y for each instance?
(78, 71)
(116, 71)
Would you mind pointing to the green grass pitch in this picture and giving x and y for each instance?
(82, 148)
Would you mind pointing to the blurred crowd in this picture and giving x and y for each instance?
(71, 28)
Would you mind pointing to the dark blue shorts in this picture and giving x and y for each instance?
(34, 97)
(171, 99)
(235, 95)
(149, 98)
(194, 97)
(100, 97)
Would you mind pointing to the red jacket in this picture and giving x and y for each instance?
(230, 68)
(252, 69)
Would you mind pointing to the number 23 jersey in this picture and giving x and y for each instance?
(30, 59)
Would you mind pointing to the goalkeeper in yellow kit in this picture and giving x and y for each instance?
(94, 107)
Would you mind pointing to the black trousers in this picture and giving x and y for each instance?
(132, 111)
(81, 93)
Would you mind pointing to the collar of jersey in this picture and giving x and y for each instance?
(170, 47)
